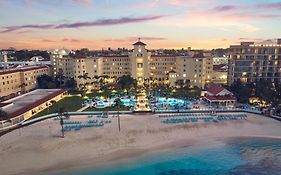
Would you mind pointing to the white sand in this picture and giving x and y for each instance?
(38, 147)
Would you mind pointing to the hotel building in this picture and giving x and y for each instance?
(251, 62)
(141, 64)
(20, 80)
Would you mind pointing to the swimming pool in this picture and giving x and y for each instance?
(172, 102)
(110, 102)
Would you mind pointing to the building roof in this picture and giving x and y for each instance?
(214, 89)
(220, 98)
(21, 69)
(219, 67)
(139, 43)
(172, 71)
(21, 104)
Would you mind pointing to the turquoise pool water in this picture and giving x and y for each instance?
(235, 157)
(172, 101)
(107, 102)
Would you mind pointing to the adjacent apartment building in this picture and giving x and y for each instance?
(20, 80)
(252, 62)
(140, 63)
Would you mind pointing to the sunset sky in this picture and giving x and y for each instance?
(96, 24)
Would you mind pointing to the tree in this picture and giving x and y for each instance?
(242, 91)
(126, 82)
(60, 78)
(83, 85)
(71, 84)
(43, 81)
(118, 103)
(62, 114)
(3, 115)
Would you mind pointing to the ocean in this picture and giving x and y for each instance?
(240, 156)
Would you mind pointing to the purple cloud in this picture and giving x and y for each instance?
(225, 8)
(107, 22)
(104, 22)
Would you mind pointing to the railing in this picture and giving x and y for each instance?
(208, 110)
(31, 121)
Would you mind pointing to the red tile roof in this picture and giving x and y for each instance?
(214, 89)
(220, 98)
(3, 104)
(23, 69)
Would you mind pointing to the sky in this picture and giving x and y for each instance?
(97, 24)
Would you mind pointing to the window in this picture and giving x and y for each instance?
(140, 65)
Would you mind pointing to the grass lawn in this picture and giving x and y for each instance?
(69, 103)
(123, 108)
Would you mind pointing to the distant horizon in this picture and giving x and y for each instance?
(260, 41)
(171, 24)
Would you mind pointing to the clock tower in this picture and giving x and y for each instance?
(140, 62)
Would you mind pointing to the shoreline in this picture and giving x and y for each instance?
(101, 147)
(118, 156)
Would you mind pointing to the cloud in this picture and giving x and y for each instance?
(102, 22)
(177, 3)
(47, 41)
(72, 40)
(108, 22)
(81, 2)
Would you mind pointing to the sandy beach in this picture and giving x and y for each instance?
(39, 148)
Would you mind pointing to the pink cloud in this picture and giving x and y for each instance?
(103, 22)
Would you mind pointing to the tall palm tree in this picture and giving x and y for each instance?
(118, 104)
(84, 77)
(62, 113)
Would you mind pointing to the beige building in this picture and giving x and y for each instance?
(251, 62)
(25, 106)
(20, 80)
(141, 64)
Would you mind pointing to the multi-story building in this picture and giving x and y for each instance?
(253, 62)
(20, 80)
(61, 62)
(142, 64)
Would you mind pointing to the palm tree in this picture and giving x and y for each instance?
(84, 77)
(83, 85)
(118, 104)
(95, 80)
(62, 114)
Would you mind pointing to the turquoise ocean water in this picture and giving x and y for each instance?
(243, 156)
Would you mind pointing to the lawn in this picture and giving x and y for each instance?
(69, 103)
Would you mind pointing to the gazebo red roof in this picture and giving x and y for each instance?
(220, 98)
(214, 89)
